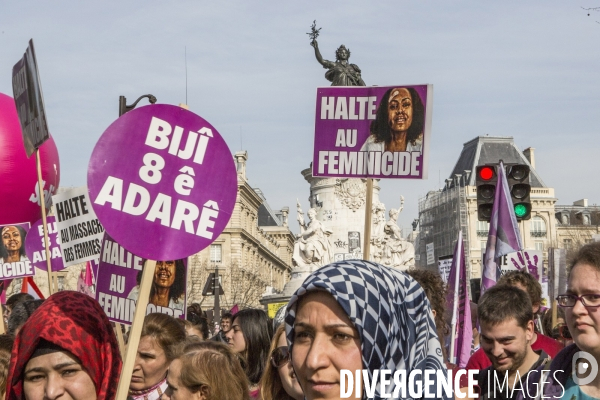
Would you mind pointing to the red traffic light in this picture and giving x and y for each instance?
(486, 173)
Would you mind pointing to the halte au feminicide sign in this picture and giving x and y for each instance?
(373, 132)
(162, 182)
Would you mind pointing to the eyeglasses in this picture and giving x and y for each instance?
(569, 300)
(280, 356)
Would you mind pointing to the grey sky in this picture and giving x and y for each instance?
(527, 69)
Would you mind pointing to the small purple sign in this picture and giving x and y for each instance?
(35, 249)
(162, 182)
(373, 132)
(13, 259)
(119, 276)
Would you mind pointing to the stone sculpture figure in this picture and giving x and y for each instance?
(340, 72)
(313, 246)
(389, 248)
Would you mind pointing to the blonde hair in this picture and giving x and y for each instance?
(271, 387)
(213, 368)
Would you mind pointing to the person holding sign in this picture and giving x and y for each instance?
(67, 346)
(399, 123)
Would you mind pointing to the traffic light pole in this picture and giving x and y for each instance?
(217, 291)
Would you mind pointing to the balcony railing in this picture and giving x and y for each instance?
(482, 233)
(538, 234)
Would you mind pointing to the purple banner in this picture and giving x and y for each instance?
(35, 249)
(119, 275)
(373, 132)
(162, 182)
(458, 300)
(13, 259)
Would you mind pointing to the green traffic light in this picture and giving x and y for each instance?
(520, 210)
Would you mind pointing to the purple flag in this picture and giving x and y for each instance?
(504, 236)
(458, 299)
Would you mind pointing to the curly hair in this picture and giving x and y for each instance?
(6, 345)
(435, 290)
(4, 252)
(380, 128)
(525, 279)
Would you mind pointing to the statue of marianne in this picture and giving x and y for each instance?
(340, 72)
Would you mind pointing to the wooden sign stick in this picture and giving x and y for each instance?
(136, 329)
(44, 222)
(120, 340)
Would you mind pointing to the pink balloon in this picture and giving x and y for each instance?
(18, 174)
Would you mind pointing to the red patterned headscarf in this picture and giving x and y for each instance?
(76, 323)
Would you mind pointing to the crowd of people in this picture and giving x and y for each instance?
(352, 315)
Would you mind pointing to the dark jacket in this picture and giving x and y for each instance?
(554, 381)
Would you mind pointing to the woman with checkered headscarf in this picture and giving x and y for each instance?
(355, 315)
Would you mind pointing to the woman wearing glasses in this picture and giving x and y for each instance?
(570, 376)
(279, 380)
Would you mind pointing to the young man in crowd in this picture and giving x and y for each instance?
(526, 282)
(507, 330)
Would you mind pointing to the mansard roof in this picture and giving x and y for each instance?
(489, 150)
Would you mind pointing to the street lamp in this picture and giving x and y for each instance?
(123, 107)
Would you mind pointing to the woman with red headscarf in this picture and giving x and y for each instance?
(66, 348)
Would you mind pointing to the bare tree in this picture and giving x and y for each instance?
(244, 286)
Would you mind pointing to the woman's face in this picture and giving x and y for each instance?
(400, 110)
(287, 375)
(584, 322)
(11, 238)
(325, 342)
(57, 375)
(235, 337)
(164, 274)
(176, 390)
(150, 366)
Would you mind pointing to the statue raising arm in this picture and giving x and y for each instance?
(325, 63)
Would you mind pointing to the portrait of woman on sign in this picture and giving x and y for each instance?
(399, 122)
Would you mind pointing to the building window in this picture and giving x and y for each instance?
(567, 243)
(538, 227)
(483, 228)
(215, 253)
(539, 246)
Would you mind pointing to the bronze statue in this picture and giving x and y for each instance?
(340, 72)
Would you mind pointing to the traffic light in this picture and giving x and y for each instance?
(517, 176)
(486, 181)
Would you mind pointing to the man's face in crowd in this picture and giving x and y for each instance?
(506, 344)
(225, 324)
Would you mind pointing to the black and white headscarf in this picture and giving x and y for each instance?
(388, 308)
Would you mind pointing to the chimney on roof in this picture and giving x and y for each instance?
(528, 153)
(241, 157)
(581, 203)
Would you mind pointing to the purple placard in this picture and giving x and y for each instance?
(13, 259)
(119, 275)
(373, 132)
(162, 182)
(34, 246)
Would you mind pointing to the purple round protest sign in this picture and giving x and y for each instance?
(34, 246)
(162, 182)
